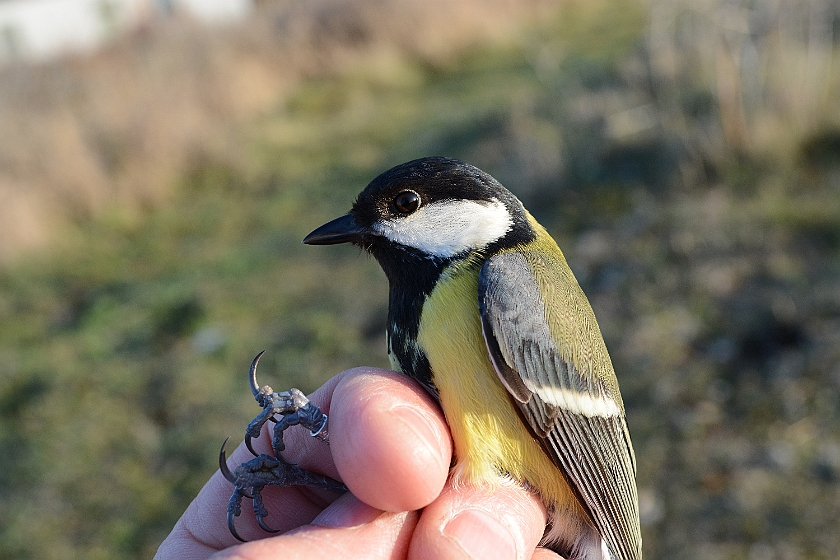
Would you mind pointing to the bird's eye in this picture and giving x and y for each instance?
(407, 202)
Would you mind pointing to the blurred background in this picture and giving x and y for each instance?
(160, 162)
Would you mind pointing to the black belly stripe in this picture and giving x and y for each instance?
(412, 277)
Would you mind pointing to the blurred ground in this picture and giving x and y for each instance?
(686, 156)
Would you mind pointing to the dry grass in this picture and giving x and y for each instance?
(83, 135)
(772, 68)
(685, 155)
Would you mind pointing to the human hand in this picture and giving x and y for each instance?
(390, 445)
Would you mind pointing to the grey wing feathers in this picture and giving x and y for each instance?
(577, 415)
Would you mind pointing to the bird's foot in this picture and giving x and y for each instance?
(285, 409)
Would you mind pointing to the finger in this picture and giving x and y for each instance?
(204, 523)
(390, 441)
(203, 527)
(506, 522)
(346, 529)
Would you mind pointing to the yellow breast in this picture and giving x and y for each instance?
(491, 442)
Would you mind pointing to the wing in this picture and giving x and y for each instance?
(547, 349)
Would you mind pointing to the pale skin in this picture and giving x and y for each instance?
(390, 445)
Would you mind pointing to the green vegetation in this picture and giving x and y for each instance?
(711, 256)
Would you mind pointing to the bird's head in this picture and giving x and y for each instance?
(432, 208)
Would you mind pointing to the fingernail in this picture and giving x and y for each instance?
(481, 536)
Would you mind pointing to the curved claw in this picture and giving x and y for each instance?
(232, 526)
(226, 471)
(249, 446)
(255, 388)
(265, 527)
(223, 466)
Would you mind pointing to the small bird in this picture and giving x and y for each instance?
(486, 314)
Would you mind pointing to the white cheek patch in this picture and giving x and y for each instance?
(585, 404)
(444, 229)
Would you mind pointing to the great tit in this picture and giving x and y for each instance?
(486, 314)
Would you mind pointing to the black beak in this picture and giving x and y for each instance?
(340, 230)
